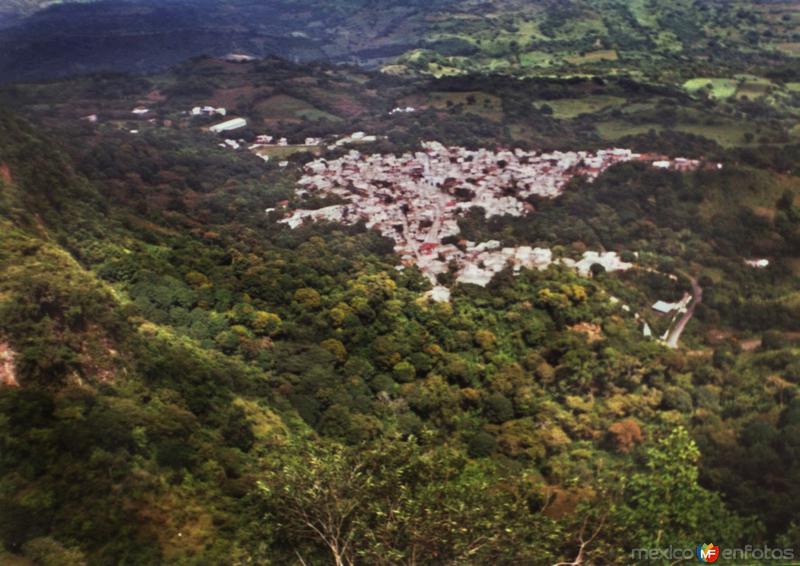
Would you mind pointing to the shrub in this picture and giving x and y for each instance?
(625, 435)
(481, 445)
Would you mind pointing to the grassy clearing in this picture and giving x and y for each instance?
(529, 30)
(789, 48)
(718, 87)
(753, 86)
(536, 59)
(615, 129)
(638, 107)
(592, 57)
(577, 29)
(727, 134)
(752, 90)
(752, 79)
(759, 193)
(438, 70)
(282, 107)
(476, 102)
(643, 13)
(567, 108)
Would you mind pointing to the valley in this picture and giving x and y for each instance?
(391, 282)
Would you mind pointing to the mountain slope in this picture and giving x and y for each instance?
(13, 11)
(649, 37)
(102, 410)
(197, 381)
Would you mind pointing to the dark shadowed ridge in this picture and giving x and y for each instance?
(148, 35)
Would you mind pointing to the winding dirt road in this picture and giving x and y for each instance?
(674, 335)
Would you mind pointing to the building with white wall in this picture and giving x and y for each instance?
(228, 125)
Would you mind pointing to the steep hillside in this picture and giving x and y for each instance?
(101, 410)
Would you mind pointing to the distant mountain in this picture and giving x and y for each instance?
(151, 34)
(12, 11)
(440, 36)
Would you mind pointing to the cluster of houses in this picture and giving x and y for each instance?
(264, 141)
(678, 164)
(478, 263)
(417, 198)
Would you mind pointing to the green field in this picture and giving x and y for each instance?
(282, 107)
(790, 48)
(752, 90)
(726, 134)
(718, 87)
(592, 57)
(476, 102)
(729, 134)
(615, 129)
(567, 108)
(536, 59)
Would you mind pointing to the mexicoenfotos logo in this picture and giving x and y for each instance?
(707, 553)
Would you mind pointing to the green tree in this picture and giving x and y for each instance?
(266, 323)
(308, 297)
(664, 504)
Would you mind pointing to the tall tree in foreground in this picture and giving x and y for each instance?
(392, 503)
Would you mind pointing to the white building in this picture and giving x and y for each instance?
(239, 58)
(664, 307)
(208, 111)
(228, 125)
(439, 294)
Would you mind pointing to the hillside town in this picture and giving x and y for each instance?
(417, 198)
